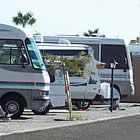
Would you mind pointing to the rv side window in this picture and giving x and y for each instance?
(11, 52)
(114, 52)
(95, 47)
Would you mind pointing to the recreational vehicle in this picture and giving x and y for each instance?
(83, 88)
(106, 50)
(24, 81)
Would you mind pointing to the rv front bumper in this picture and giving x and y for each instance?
(40, 102)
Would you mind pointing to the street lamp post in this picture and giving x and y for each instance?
(113, 66)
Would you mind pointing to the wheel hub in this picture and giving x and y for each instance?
(12, 106)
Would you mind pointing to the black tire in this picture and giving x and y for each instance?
(82, 105)
(13, 105)
(42, 111)
(114, 107)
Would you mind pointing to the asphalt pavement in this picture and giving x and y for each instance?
(31, 125)
(126, 128)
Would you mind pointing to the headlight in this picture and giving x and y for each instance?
(44, 93)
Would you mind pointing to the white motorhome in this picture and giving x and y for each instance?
(83, 89)
(24, 82)
(106, 50)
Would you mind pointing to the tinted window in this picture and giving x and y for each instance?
(114, 52)
(11, 52)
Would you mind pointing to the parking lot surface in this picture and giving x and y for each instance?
(59, 118)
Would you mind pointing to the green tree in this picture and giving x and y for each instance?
(138, 39)
(91, 33)
(75, 65)
(26, 19)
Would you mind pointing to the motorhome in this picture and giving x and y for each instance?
(24, 81)
(106, 50)
(83, 88)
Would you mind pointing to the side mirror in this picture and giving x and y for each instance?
(125, 65)
(131, 55)
(24, 60)
(52, 78)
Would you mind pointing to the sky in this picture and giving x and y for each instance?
(114, 18)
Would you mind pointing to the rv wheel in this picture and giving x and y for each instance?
(13, 105)
(82, 105)
(42, 110)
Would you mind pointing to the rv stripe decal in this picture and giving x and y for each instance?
(12, 83)
(4, 30)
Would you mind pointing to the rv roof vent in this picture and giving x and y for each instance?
(64, 41)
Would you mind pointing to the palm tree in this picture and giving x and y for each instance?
(24, 20)
(91, 33)
(138, 39)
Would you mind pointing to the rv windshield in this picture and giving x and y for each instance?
(34, 54)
